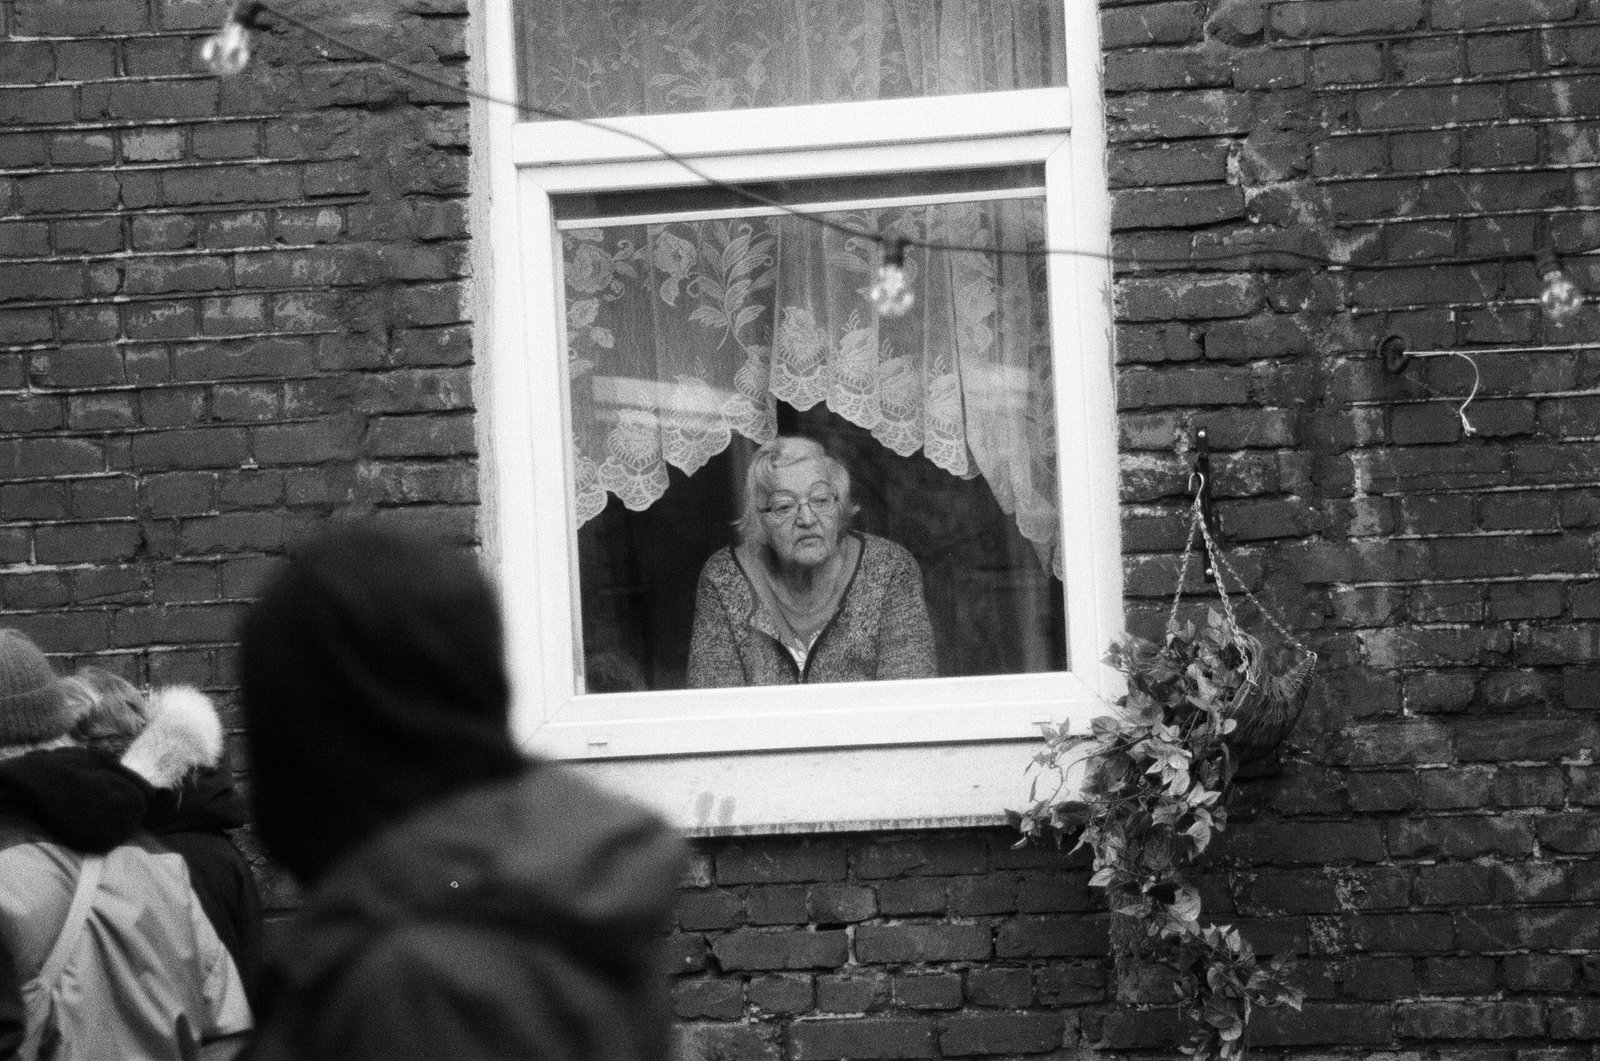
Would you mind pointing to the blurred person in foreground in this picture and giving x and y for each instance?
(191, 818)
(463, 901)
(802, 597)
(105, 951)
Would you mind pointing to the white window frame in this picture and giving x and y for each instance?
(934, 752)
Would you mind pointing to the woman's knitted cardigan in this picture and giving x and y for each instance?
(881, 630)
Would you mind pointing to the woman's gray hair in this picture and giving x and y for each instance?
(781, 452)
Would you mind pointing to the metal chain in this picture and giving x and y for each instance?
(1198, 528)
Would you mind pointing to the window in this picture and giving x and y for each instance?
(649, 326)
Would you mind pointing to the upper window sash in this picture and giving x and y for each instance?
(603, 58)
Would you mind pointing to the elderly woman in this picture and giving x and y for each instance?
(802, 598)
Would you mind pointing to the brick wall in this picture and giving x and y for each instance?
(231, 310)
(228, 310)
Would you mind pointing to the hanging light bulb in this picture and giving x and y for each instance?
(227, 51)
(891, 295)
(1560, 296)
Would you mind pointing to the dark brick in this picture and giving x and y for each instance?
(708, 999)
(33, 501)
(928, 991)
(1479, 1019)
(777, 906)
(781, 862)
(709, 909)
(1570, 833)
(160, 320)
(78, 18)
(897, 898)
(1379, 979)
(898, 858)
(420, 436)
(1519, 739)
(1186, 207)
(1052, 938)
(1126, 1028)
(29, 458)
(1000, 1033)
(1071, 985)
(841, 903)
(1382, 791)
(685, 953)
(781, 995)
(852, 993)
(1232, 295)
(307, 443)
(1323, 1024)
(235, 532)
(1330, 842)
(923, 943)
(1548, 973)
(1402, 933)
(726, 1042)
(993, 894)
(69, 543)
(273, 358)
(1575, 1020)
(1460, 788)
(828, 1040)
(106, 498)
(196, 448)
(747, 949)
(1530, 787)
(231, 184)
(1522, 929)
(1002, 988)
(1461, 837)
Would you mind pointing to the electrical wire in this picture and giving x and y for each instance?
(1253, 256)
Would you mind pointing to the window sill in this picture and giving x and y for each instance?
(834, 790)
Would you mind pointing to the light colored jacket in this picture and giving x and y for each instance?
(145, 978)
(146, 960)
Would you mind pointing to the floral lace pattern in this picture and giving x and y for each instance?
(681, 335)
(599, 58)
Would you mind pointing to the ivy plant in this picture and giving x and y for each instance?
(1154, 778)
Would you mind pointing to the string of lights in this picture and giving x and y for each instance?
(228, 52)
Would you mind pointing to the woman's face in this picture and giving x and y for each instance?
(804, 515)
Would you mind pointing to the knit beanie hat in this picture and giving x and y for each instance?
(33, 705)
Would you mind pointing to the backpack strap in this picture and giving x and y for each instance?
(77, 917)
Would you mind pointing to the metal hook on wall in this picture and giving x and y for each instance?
(1208, 514)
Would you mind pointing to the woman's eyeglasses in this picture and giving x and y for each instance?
(785, 508)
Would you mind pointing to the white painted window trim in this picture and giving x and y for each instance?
(935, 752)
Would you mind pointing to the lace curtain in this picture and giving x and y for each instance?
(599, 58)
(681, 334)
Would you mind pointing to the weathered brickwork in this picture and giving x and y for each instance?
(230, 311)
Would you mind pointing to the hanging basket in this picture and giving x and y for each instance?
(1267, 709)
(1269, 702)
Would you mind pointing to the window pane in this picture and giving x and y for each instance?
(693, 339)
(603, 58)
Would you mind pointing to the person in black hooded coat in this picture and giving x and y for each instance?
(463, 900)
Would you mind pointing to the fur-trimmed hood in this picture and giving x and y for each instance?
(89, 800)
(183, 737)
